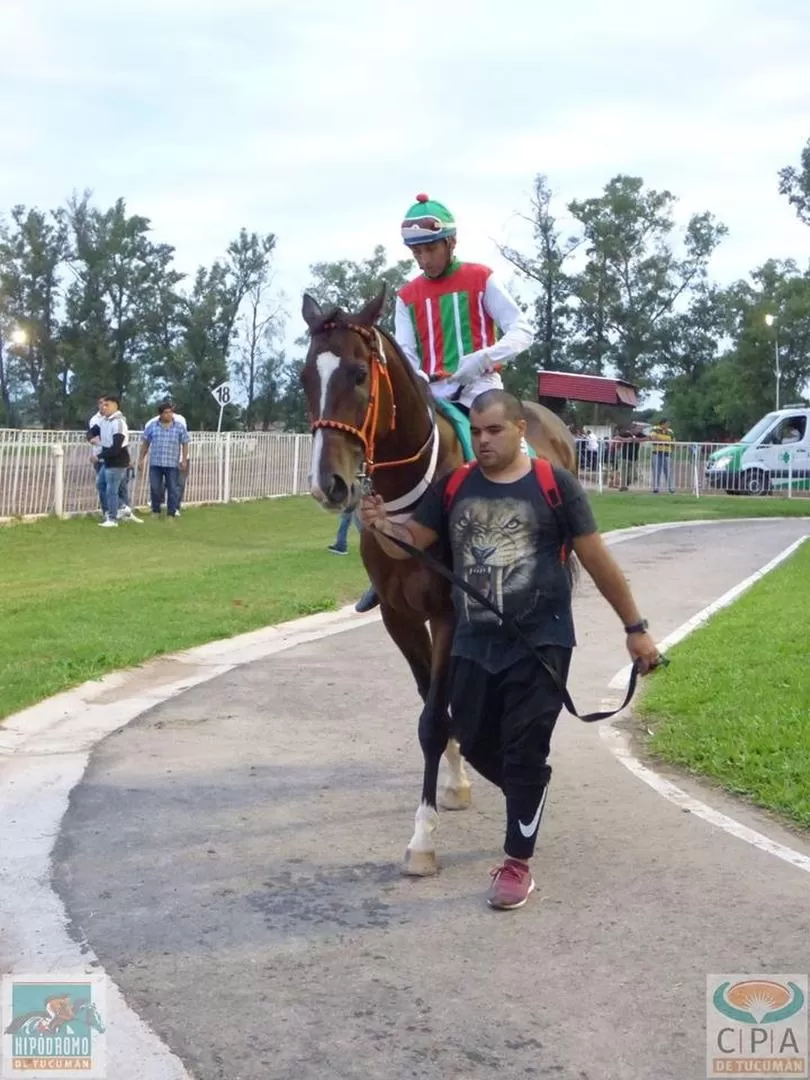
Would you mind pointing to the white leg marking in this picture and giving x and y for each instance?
(457, 777)
(426, 821)
(457, 791)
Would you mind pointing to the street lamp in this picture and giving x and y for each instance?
(770, 320)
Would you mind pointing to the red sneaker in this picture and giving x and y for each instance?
(511, 885)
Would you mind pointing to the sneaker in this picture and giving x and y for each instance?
(511, 885)
(129, 516)
(338, 550)
(108, 523)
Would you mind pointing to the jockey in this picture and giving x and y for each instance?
(456, 323)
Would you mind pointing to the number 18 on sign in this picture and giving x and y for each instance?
(222, 394)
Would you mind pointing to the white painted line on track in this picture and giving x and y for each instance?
(618, 742)
(43, 755)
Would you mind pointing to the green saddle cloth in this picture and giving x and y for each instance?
(461, 426)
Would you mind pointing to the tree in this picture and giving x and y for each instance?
(33, 249)
(207, 322)
(349, 285)
(714, 397)
(632, 279)
(795, 183)
(545, 268)
(120, 278)
(256, 360)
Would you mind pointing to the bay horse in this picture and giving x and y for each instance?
(373, 421)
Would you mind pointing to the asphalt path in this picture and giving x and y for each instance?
(233, 859)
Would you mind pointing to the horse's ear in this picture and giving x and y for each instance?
(369, 315)
(311, 310)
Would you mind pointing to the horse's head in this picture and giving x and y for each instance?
(88, 1012)
(349, 397)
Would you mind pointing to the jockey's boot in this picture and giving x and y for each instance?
(368, 601)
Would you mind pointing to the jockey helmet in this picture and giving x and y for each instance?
(427, 221)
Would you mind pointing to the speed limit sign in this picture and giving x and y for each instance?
(222, 393)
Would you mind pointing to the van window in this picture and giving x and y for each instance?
(792, 430)
(759, 429)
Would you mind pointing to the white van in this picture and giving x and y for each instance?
(774, 454)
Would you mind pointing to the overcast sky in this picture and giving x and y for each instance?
(320, 121)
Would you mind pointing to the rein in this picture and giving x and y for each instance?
(368, 430)
(511, 625)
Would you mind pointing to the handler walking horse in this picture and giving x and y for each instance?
(373, 421)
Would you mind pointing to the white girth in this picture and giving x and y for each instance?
(397, 507)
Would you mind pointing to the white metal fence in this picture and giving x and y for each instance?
(50, 472)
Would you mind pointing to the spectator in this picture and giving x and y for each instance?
(341, 544)
(663, 439)
(125, 511)
(166, 441)
(183, 476)
(115, 463)
(631, 439)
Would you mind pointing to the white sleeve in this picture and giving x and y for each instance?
(513, 324)
(406, 336)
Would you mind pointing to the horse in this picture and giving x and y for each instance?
(373, 421)
(35, 1024)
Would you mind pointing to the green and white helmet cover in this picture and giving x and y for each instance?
(427, 221)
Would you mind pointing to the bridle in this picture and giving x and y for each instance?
(379, 375)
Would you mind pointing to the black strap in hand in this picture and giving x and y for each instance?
(440, 568)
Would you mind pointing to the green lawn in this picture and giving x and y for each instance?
(736, 705)
(77, 601)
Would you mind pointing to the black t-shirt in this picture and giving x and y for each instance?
(505, 541)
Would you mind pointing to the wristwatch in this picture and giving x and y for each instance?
(637, 628)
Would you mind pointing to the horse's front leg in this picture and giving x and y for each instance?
(434, 732)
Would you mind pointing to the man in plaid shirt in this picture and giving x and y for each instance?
(166, 442)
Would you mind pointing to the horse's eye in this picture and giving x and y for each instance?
(357, 373)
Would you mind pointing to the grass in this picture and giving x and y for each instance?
(736, 706)
(77, 601)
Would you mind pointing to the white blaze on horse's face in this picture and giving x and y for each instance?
(327, 364)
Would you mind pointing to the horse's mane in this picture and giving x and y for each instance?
(419, 385)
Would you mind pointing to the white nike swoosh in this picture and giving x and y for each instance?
(529, 830)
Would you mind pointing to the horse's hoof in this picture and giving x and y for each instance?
(420, 863)
(456, 798)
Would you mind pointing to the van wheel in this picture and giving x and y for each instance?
(757, 482)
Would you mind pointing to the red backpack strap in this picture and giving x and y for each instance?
(544, 472)
(456, 479)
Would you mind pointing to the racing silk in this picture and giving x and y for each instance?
(462, 325)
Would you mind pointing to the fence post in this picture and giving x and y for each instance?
(696, 469)
(58, 454)
(15, 482)
(226, 468)
(296, 459)
(600, 454)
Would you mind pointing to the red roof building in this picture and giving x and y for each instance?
(564, 385)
